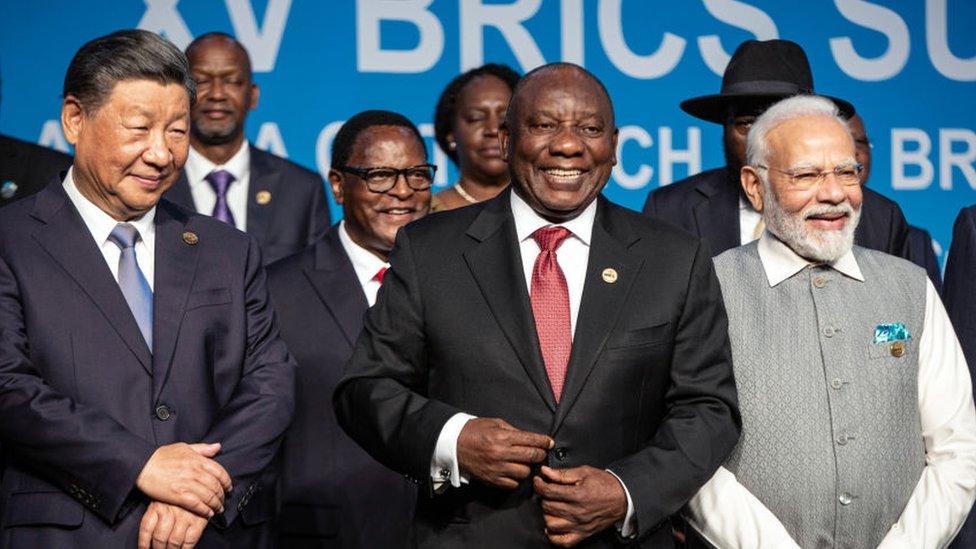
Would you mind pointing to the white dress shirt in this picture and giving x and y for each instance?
(204, 197)
(100, 225)
(749, 219)
(364, 262)
(572, 256)
(729, 516)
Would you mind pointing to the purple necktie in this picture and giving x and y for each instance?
(220, 180)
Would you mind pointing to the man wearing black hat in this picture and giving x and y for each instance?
(711, 204)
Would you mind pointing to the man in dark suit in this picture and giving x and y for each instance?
(546, 365)
(281, 204)
(711, 204)
(333, 493)
(25, 168)
(959, 295)
(143, 385)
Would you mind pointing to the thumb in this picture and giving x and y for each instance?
(560, 476)
(206, 449)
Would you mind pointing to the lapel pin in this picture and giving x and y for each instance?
(898, 349)
(191, 238)
(8, 189)
(263, 197)
(609, 275)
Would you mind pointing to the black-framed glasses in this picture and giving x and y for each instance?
(382, 179)
(806, 178)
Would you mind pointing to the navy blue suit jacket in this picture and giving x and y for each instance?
(296, 216)
(959, 295)
(80, 391)
(333, 493)
(26, 168)
(707, 204)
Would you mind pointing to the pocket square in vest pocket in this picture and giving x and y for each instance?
(888, 333)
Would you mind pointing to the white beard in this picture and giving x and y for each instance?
(821, 246)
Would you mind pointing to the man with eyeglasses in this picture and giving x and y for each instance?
(334, 494)
(711, 204)
(858, 425)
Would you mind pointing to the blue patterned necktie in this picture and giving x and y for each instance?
(220, 180)
(133, 284)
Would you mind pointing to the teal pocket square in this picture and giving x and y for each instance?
(886, 333)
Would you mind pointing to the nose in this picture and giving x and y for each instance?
(566, 143)
(492, 124)
(157, 152)
(217, 90)
(831, 190)
(400, 188)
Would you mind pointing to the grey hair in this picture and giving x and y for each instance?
(124, 55)
(757, 148)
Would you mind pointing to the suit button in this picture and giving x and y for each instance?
(163, 413)
(819, 282)
(560, 453)
(829, 331)
(845, 498)
(836, 383)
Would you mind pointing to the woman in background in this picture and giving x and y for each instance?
(469, 113)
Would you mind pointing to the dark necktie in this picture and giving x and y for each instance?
(133, 284)
(220, 180)
(550, 306)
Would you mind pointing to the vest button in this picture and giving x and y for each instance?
(829, 331)
(560, 453)
(845, 498)
(842, 439)
(162, 412)
(836, 383)
(819, 282)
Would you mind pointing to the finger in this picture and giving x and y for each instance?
(504, 482)
(524, 454)
(565, 540)
(218, 472)
(194, 503)
(215, 489)
(163, 529)
(516, 471)
(558, 509)
(146, 527)
(555, 492)
(527, 438)
(571, 475)
(206, 495)
(193, 534)
(179, 532)
(558, 525)
(206, 449)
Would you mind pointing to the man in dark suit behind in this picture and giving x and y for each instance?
(546, 365)
(333, 493)
(281, 204)
(959, 295)
(711, 204)
(25, 168)
(143, 385)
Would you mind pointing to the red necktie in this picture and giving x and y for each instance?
(379, 275)
(550, 306)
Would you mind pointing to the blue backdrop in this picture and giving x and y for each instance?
(908, 66)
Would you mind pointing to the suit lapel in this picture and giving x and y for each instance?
(66, 238)
(717, 217)
(602, 301)
(180, 193)
(496, 265)
(176, 264)
(334, 281)
(263, 179)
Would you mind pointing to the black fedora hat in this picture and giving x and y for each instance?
(772, 69)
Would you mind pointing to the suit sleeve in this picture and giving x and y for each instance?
(319, 219)
(702, 423)
(898, 237)
(959, 293)
(650, 206)
(381, 402)
(251, 425)
(78, 448)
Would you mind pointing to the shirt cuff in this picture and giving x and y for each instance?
(444, 464)
(628, 526)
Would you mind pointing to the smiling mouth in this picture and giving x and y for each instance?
(562, 175)
(832, 220)
(398, 211)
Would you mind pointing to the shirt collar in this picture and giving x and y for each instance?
(198, 166)
(527, 221)
(99, 223)
(364, 262)
(780, 261)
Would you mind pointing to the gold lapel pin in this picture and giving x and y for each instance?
(609, 275)
(191, 238)
(263, 197)
(898, 349)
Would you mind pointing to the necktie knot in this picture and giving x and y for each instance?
(551, 237)
(220, 180)
(124, 235)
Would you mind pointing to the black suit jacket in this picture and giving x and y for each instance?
(919, 250)
(959, 295)
(82, 396)
(333, 493)
(707, 204)
(296, 216)
(649, 391)
(26, 168)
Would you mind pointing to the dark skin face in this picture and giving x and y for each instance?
(481, 108)
(560, 141)
(862, 145)
(742, 115)
(225, 94)
(373, 219)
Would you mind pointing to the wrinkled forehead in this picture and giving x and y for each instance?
(564, 91)
(815, 141)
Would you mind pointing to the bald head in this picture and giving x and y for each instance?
(556, 76)
(220, 40)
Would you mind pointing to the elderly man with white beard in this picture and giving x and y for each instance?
(858, 426)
